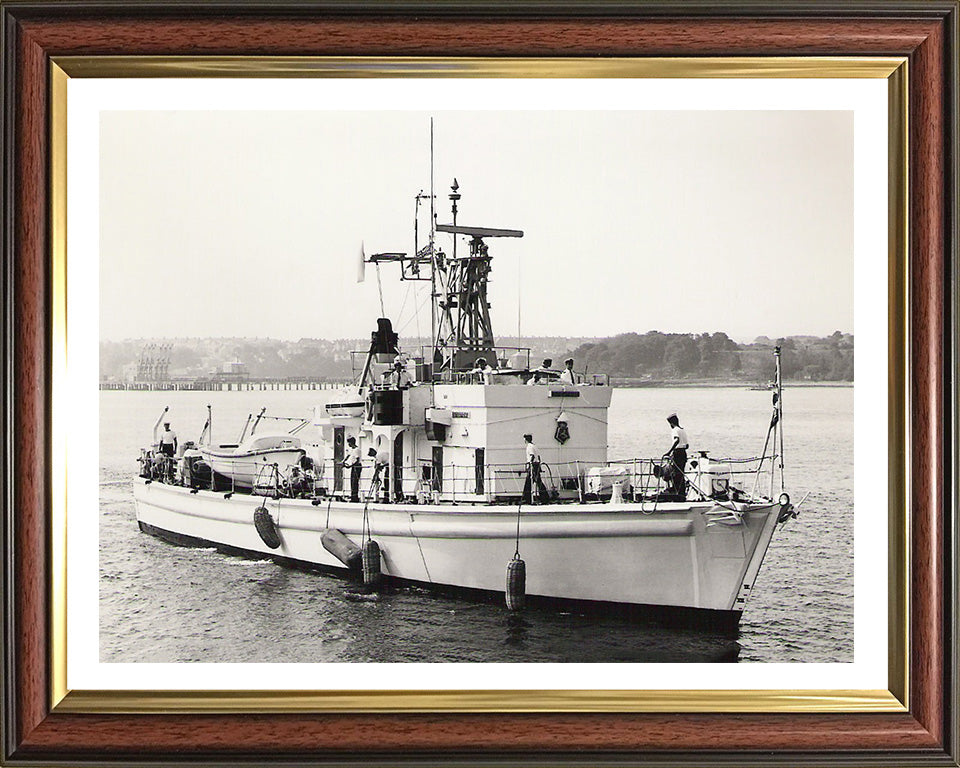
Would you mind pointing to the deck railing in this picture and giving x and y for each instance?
(569, 480)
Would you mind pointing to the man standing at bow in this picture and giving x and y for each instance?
(168, 441)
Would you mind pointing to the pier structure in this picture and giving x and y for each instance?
(213, 385)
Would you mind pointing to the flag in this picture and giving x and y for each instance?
(361, 265)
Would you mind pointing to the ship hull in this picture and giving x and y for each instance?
(631, 555)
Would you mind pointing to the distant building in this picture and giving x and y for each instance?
(232, 371)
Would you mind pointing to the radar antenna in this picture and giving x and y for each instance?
(464, 330)
(461, 330)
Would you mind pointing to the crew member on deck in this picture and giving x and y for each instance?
(381, 475)
(398, 377)
(168, 440)
(482, 371)
(568, 376)
(677, 455)
(297, 482)
(534, 476)
(546, 366)
(353, 460)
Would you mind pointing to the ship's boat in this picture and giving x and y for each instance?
(241, 464)
(253, 456)
(445, 487)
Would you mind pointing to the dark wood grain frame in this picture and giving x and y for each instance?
(925, 32)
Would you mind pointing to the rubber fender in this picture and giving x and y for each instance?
(266, 527)
(371, 563)
(516, 592)
(338, 545)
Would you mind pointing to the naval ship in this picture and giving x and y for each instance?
(420, 473)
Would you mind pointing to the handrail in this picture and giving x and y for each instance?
(239, 463)
(499, 479)
(425, 355)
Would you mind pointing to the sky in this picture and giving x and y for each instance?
(250, 223)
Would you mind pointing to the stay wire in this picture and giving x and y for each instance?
(380, 290)
(416, 316)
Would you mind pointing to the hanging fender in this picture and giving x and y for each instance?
(266, 528)
(516, 590)
(371, 563)
(342, 548)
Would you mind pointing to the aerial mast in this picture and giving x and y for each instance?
(454, 196)
(464, 329)
(460, 328)
(433, 258)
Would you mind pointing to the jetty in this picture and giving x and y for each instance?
(215, 385)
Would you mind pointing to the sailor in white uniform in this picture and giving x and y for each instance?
(534, 476)
(678, 456)
(354, 462)
(398, 377)
(381, 474)
(546, 366)
(482, 371)
(168, 440)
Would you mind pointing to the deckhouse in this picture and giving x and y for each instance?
(449, 420)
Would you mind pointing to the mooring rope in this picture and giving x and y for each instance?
(364, 526)
(516, 553)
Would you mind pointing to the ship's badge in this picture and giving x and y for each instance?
(562, 433)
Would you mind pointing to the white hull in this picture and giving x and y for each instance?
(615, 553)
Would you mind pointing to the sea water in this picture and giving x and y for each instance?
(163, 603)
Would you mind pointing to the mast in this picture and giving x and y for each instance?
(776, 427)
(454, 196)
(780, 419)
(433, 259)
(460, 327)
(464, 330)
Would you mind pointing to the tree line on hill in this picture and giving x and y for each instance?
(628, 357)
(657, 356)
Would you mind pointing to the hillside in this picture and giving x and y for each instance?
(648, 357)
(715, 357)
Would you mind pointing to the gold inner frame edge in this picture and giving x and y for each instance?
(893, 69)
(429, 66)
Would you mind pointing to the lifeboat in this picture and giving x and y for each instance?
(241, 463)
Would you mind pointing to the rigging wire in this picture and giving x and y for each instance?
(403, 304)
(416, 315)
(519, 302)
(380, 290)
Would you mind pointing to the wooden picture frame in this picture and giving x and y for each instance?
(40, 727)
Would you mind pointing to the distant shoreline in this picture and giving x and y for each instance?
(329, 386)
(628, 384)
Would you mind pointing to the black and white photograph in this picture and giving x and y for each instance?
(476, 386)
(396, 383)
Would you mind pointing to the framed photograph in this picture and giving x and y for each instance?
(466, 383)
